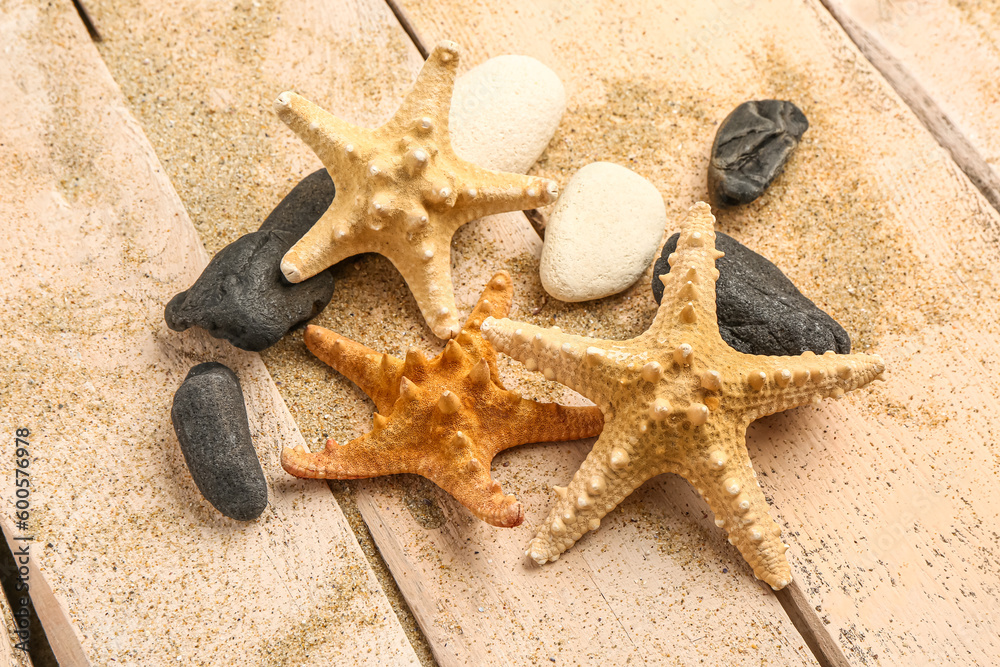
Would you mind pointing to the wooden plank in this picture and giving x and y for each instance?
(429, 541)
(943, 59)
(135, 562)
(887, 495)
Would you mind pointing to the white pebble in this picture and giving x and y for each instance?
(504, 113)
(603, 233)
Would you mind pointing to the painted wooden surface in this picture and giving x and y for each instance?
(944, 66)
(887, 496)
(620, 600)
(133, 564)
(952, 48)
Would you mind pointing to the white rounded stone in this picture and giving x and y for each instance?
(504, 113)
(603, 233)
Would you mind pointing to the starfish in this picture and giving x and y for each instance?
(401, 190)
(444, 419)
(677, 399)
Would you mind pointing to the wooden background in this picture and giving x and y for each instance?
(121, 163)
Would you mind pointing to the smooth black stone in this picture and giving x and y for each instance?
(210, 419)
(241, 296)
(760, 311)
(751, 147)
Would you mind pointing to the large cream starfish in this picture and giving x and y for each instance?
(444, 418)
(401, 190)
(677, 399)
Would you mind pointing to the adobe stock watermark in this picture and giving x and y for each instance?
(22, 542)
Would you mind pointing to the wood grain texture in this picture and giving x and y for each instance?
(131, 564)
(430, 542)
(887, 496)
(943, 59)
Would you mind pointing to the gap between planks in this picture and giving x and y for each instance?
(88, 22)
(407, 26)
(807, 622)
(923, 106)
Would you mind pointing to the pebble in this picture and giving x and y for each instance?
(760, 311)
(241, 296)
(751, 148)
(210, 420)
(504, 113)
(602, 234)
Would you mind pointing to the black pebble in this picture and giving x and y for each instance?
(760, 311)
(210, 419)
(751, 147)
(241, 296)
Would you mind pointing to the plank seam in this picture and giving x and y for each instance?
(87, 21)
(378, 563)
(923, 106)
(811, 628)
(404, 22)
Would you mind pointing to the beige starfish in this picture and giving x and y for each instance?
(401, 190)
(677, 399)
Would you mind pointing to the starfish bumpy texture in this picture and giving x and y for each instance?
(678, 399)
(444, 419)
(401, 190)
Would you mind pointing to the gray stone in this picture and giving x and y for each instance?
(241, 296)
(760, 311)
(210, 419)
(751, 148)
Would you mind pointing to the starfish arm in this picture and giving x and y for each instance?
(426, 107)
(722, 474)
(376, 374)
(688, 301)
(371, 455)
(774, 384)
(428, 275)
(531, 421)
(481, 192)
(468, 480)
(582, 364)
(330, 240)
(495, 301)
(612, 470)
(335, 142)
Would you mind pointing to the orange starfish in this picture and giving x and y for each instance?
(444, 419)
